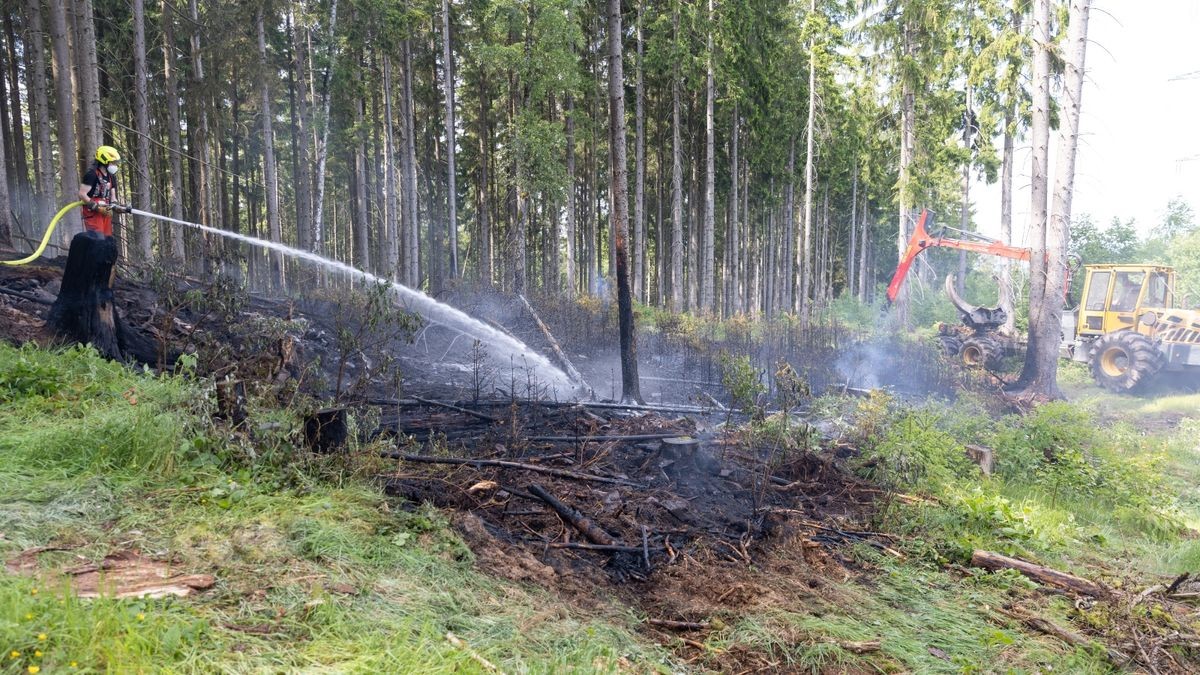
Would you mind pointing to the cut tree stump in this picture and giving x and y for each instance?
(84, 311)
(1043, 575)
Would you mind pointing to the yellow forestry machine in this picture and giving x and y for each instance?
(1128, 328)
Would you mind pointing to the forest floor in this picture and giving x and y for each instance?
(833, 537)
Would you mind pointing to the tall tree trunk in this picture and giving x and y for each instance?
(269, 175)
(17, 139)
(323, 143)
(482, 207)
(1039, 376)
(5, 205)
(141, 225)
(731, 236)
(809, 181)
(640, 287)
(174, 146)
(88, 78)
(569, 114)
(39, 114)
(362, 225)
(1007, 296)
(852, 254)
(907, 148)
(862, 255)
(708, 237)
(451, 150)
(619, 190)
(788, 259)
(303, 179)
(676, 185)
(64, 99)
(197, 117)
(408, 173)
(391, 199)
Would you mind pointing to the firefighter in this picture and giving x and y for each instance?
(99, 191)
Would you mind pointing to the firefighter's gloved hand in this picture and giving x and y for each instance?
(104, 209)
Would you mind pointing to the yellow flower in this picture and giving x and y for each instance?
(141, 617)
(14, 654)
(74, 664)
(29, 616)
(33, 591)
(41, 637)
(33, 669)
(37, 653)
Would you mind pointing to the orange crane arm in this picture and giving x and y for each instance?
(921, 240)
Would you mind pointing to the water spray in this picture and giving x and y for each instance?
(435, 312)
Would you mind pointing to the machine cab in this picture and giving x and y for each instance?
(1114, 295)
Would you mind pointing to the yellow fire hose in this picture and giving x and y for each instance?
(46, 237)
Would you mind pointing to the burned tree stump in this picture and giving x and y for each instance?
(231, 401)
(84, 310)
(326, 430)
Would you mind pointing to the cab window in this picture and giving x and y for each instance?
(1126, 291)
(1097, 291)
(1158, 292)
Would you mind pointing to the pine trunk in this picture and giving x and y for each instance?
(141, 224)
(640, 287)
(619, 189)
(569, 114)
(708, 243)
(451, 150)
(1039, 374)
(269, 169)
(64, 99)
(391, 199)
(733, 244)
(39, 117)
(174, 143)
(676, 187)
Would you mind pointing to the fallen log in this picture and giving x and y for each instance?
(585, 525)
(678, 625)
(451, 406)
(1041, 574)
(549, 470)
(1047, 627)
(861, 647)
(601, 438)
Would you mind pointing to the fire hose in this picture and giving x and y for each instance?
(50, 231)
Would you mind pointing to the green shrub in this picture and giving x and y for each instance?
(914, 452)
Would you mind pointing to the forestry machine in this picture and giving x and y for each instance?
(1128, 329)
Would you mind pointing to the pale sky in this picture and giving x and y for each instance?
(1140, 131)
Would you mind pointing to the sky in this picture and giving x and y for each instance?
(1139, 130)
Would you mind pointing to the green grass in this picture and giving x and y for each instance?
(318, 571)
(101, 459)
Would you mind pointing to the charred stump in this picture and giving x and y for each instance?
(326, 430)
(84, 311)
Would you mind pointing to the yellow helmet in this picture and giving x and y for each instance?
(106, 154)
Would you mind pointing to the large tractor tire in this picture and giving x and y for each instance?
(950, 345)
(1124, 361)
(981, 352)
